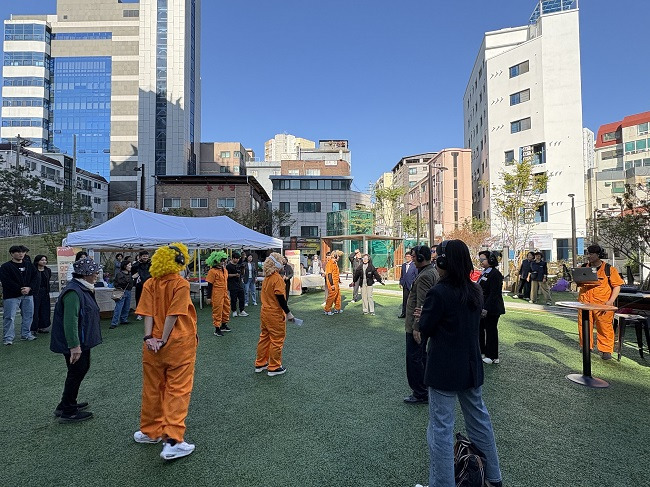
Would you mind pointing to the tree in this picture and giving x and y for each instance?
(474, 232)
(180, 212)
(20, 192)
(387, 207)
(516, 201)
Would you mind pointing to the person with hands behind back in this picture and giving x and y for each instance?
(168, 352)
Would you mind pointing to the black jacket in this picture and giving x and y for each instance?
(44, 280)
(538, 270)
(492, 284)
(142, 269)
(123, 281)
(12, 279)
(245, 273)
(524, 268)
(287, 271)
(355, 262)
(371, 275)
(454, 357)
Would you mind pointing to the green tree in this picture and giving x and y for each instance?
(20, 192)
(386, 208)
(181, 212)
(81, 219)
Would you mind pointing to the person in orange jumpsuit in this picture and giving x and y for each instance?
(332, 281)
(218, 291)
(273, 316)
(168, 353)
(605, 291)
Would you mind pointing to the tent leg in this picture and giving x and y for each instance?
(200, 283)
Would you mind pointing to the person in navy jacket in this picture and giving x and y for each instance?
(406, 280)
(491, 283)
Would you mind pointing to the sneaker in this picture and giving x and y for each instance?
(323, 305)
(482, 356)
(495, 361)
(372, 314)
(243, 313)
(7, 343)
(245, 304)
(29, 337)
(607, 356)
(139, 318)
(140, 437)
(225, 327)
(234, 313)
(112, 327)
(80, 406)
(254, 304)
(179, 450)
(217, 331)
(514, 296)
(337, 311)
(279, 371)
(365, 312)
(487, 360)
(329, 313)
(75, 417)
(261, 368)
(549, 303)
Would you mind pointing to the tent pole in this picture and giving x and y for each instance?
(198, 250)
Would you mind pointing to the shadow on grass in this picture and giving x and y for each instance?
(545, 350)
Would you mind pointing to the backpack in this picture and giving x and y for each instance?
(469, 463)
(608, 273)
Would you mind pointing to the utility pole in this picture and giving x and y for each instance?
(142, 183)
(574, 250)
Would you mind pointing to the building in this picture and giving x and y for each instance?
(224, 158)
(262, 171)
(406, 174)
(122, 78)
(315, 168)
(622, 157)
(285, 147)
(384, 213)
(523, 101)
(328, 150)
(210, 195)
(588, 152)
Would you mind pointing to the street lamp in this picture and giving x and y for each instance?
(142, 184)
(574, 250)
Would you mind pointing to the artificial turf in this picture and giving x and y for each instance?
(336, 418)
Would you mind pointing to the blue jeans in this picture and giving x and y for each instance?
(11, 306)
(249, 290)
(440, 434)
(122, 308)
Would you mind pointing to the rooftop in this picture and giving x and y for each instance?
(545, 7)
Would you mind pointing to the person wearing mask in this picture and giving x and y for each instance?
(538, 278)
(123, 281)
(355, 262)
(287, 274)
(332, 281)
(523, 290)
(604, 291)
(75, 331)
(19, 282)
(235, 287)
(79, 255)
(42, 305)
(140, 273)
(491, 282)
(250, 281)
(450, 321)
(416, 354)
(365, 277)
(168, 353)
(217, 290)
(406, 279)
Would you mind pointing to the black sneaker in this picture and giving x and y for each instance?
(75, 417)
(225, 327)
(217, 331)
(80, 406)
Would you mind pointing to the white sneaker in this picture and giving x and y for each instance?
(139, 318)
(495, 361)
(179, 450)
(254, 304)
(140, 437)
(234, 313)
(488, 360)
(323, 305)
(243, 313)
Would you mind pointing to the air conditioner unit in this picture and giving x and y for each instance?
(164, 209)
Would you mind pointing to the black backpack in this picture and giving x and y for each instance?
(469, 463)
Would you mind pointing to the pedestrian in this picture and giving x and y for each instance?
(355, 263)
(491, 282)
(328, 257)
(406, 279)
(316, 265)
(235, 286)
(168, 352)
(41, 321)
(217, 290)
(140, 273)
(332, 281)
(273, 316)
(20, 280)
(117, 263)
(523, 290)
(287, 274)
(79, 255)
(250, 281)
(538, 278)
(75, 331)
(124, 282)
(364, 278)
(450, 321)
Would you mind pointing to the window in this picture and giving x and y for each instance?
(131, 13)
(518, 69)
(79, 36)
(20, 58)
(285, 206)
(237, 154)
(294, 172)
(642, 128)
(305, 207)
(97, 185)
(509, 157)
(312, 172)
(225, 154)
(618, 187)
(520, 125)
(641, 145)
(253, 173)
(26, 32)
(285, 231)
(226, 203)
(311, 231)
(630, 147)
(609, 136)
(25, 102)
(309, 184)
(604, 205)
(97, 201)
(27, 81)
(412, 183)
(235, 169)
(611, 154)
(519, 97)
(198, 202)
(338, 206)
(541, 214)
(413, 170)
(171, 202)
(224, 169)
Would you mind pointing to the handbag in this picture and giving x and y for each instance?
(117, 294)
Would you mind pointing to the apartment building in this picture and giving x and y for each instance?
(285, 147)
(224, 158)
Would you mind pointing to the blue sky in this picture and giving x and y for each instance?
(388, 76)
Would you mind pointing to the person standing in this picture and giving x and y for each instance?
(235, 287)
(217, 280)
(250, 281)
(168, 353)
(605, 291)
(140, 273)
(117, 263)
(79, 255)
(365, 277)
(450, 320)
(328, 257)
(332, 280)
(538, 278)
(523, 290)
(273, 316)
(287, 274)
(416, 354)
(491, 282)
(355, 262)
(123, 281)
(41, 321)
(406, 279)
(75, 331)
(316, 265)
(19, 282)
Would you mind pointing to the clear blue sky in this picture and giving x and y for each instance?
(388, 76)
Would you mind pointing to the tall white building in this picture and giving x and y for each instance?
(284, 147)
(523, 100)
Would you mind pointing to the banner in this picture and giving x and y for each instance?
(64, 259)
(293, 256)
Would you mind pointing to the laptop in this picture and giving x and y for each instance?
(584, 274)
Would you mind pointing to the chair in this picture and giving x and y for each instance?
(640, 324)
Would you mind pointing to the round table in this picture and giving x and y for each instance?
(585, 378)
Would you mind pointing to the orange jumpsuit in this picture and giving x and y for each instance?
(218, 277)
(599, 294)
(168, 375)
(333, 297)
(273, 328)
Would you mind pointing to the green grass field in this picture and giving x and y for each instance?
(336, 418)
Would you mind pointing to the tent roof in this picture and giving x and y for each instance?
(142, 229)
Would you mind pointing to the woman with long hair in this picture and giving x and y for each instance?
(491, 283)
(450, 320)
(42, 305)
